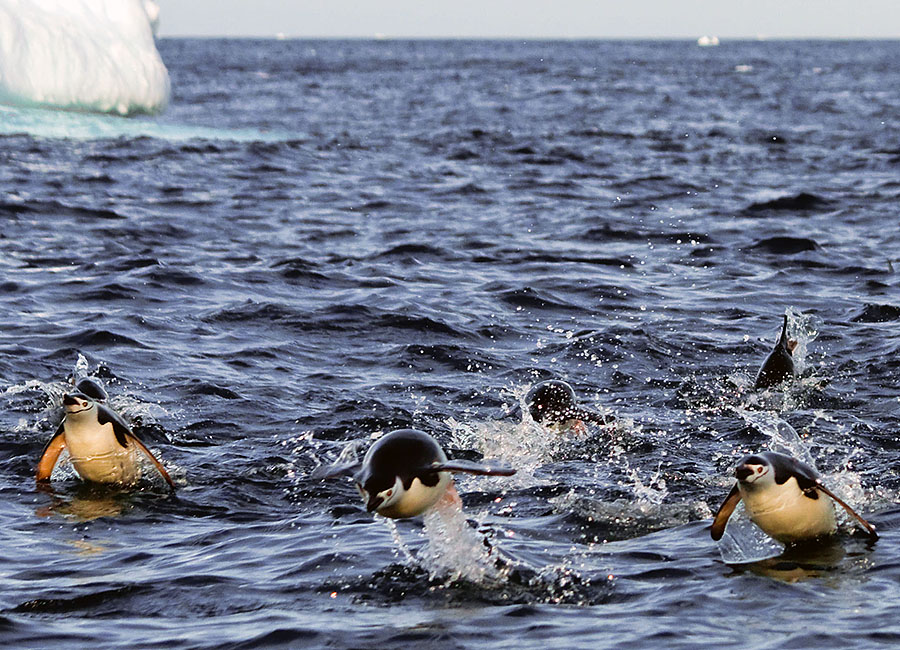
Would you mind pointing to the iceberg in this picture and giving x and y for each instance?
(83, 55)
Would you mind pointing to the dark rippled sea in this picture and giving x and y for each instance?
(322, 241)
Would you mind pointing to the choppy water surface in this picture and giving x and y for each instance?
(322, 241)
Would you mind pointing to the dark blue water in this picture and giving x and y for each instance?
(323, 241)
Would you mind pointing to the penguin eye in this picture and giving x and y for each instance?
(389, 492)
(759, 469)
(84, 404)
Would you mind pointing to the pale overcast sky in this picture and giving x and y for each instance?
(533, 18)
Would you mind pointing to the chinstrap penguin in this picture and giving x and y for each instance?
(785, 498)
(553, 403)
(101, 447)
(405, 472)
(779, 365)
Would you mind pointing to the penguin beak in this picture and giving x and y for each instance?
(741, 472)
(76, 403)
(373, 503)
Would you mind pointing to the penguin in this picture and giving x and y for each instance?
(553, 403)
(102, 448)
(405, 472)
(785, 498)
(779, 365)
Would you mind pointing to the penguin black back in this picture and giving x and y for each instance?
(553, 402)
(404, 453)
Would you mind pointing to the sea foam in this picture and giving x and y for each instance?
(86, 55)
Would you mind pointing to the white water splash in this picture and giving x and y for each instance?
(524, 445)
(82, 366)
(804, 329)
(745, 542)
(783, 438)
(455, 551)
(528, 445)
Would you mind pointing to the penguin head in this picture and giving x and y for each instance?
(78, 405)
(551, 402)
(755, 472)
(378, 495)
(92, 388)
(392, 464)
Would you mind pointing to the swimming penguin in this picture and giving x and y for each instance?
(779, 365)
(405, 472)
(785, 498)
(553, 402)
(102, 448)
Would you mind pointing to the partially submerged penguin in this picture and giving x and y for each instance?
(779, 365)
(553, 403)
(785, 498)
(102, 448)
(405, 472)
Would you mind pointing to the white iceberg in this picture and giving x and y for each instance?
(84, 55)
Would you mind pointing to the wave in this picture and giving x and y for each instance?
(874, 313)
(801, 202)
(785, 245)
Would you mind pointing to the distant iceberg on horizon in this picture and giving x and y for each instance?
(83, 55)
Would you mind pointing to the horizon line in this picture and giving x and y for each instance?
(385, 37)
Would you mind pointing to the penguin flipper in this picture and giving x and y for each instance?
(122, 431)
(870, 529)
(50, 455)
(725, 510)
(159, 466)
(469, 467)
(335, 470)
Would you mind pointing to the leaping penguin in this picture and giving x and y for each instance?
(405, 472)
(779, 365)
(785, 498)
(102, 448)
(553, 403)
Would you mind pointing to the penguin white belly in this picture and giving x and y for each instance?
(785, 513)
(418, 498)
(97, 456)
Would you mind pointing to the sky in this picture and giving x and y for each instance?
(533, 18)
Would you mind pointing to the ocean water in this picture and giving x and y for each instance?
(321, 241)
